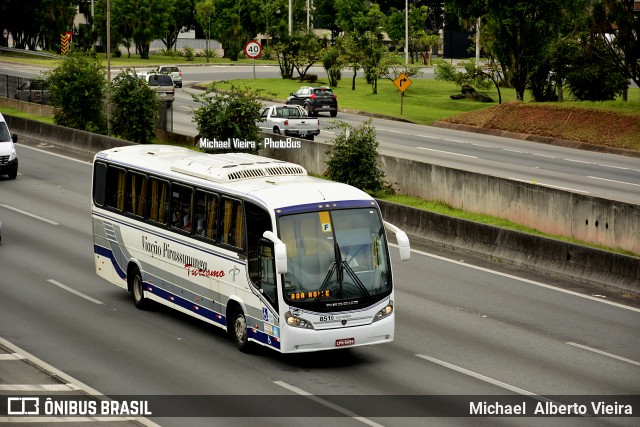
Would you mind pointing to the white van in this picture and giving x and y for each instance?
(8, 156)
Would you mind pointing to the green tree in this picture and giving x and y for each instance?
(515, 32)
(205, 11)
(352, 54)
(228, 116)
(306, 51)
(181, 18)
(333, 63)
(593, 76)
(37, 23)
(618, 28)
(353, 158)
(284, 55)
(134, 107)
(473, 75)
(77, 88)
(136, 22)
(235, 23)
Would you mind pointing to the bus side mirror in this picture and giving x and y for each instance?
(403, 241)
(279, 252)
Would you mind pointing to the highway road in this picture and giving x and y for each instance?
(464, 327)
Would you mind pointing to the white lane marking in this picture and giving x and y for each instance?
(544, 155)
(328, 404)
(514, 151)
(29, 214)
(613, 180)
(578, 161)
(55, 154)
(447, 152)
(39, 387)
(484, 378)
(604, 353)
(542, 184)
(614, 167)
(521, 279)
(73, 291)
(11, 356)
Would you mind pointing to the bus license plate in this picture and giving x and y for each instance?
(345, 341)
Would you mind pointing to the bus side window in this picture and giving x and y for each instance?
(99, 183)
(181, 207)
(232, 223)
(135, 194)
(115, 188)
(206, 215)
(158, 203)
(258, 221)
(267, 271)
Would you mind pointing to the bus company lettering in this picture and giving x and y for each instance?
(203, 272)
(165, 251)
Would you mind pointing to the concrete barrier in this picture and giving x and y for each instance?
(582, 263)
(562, 259)
(78, 141)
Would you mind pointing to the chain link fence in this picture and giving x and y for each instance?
(23, 88)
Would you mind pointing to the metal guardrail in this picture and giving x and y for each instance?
(28, 52)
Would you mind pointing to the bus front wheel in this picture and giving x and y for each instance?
(137, 290)
(240, 331)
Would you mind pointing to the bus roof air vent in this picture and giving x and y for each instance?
(232, 167)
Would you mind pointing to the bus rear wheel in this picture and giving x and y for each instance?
(239, 332)
(137, 290)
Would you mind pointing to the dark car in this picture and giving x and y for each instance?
(315, 100)
(174, 71)
(35, 91)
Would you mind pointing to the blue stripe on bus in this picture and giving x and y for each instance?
(107, 253)
(313, 207)
(199, 310)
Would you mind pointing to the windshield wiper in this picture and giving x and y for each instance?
(325, 282)
(327, 279)
(355, 278)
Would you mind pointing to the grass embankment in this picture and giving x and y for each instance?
(611, 123)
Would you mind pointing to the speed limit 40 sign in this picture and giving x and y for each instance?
(253, 49)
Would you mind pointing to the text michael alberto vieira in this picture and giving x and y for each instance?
(597, 408)
(243, 144)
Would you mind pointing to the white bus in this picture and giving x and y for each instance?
(247, 243)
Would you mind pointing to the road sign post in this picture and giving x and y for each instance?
(402, 82)
(253, 49)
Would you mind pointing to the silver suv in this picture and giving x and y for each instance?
(163, 86)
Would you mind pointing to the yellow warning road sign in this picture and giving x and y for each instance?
(402, 82)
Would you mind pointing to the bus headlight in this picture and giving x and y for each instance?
(385, 312)
(297, 322)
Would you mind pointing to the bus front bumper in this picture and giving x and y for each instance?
(300, 340)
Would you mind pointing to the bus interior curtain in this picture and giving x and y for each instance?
(143, 197)
(121, 187)
(153, 215)
(212, 209)
(228, 209)
(239, 234)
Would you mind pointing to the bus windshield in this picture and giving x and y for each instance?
(335, 259)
